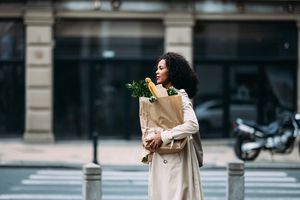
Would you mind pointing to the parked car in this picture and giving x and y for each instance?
(210, 113)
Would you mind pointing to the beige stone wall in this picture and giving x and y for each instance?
(179, 34)
(39, 67)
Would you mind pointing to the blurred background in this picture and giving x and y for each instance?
(64, 64)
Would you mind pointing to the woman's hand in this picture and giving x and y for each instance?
(156, 142)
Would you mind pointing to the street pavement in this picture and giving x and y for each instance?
(124, 184)
(75, 153)
(53, 171)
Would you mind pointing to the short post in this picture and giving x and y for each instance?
(95, 147)
(91, 187)
(236, 182)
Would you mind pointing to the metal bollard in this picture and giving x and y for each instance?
(95, 147)
(236, 181)
(91, 187)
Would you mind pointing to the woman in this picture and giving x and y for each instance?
(176, 176)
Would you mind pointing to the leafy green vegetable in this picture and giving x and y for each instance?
(171, 91)
(140, 89)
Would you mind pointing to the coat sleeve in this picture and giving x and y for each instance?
(190, 122)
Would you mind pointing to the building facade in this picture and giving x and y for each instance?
(64, 64)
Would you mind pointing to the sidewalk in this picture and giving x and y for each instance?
(217, 153)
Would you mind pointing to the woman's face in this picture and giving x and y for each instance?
(162, 73)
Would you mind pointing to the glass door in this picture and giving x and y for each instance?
(278, 94)
(208, 103)
(242, 97)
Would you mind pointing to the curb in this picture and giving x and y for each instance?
(35, 164)
(287, 166)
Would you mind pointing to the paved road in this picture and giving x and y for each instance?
(121, 184)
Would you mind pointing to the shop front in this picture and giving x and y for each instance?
(64, 64)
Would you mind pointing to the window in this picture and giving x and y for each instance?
(93, 62)
(250, 66)
(12, 82)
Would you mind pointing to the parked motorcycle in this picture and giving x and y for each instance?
(277, 137)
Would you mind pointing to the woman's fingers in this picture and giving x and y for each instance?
(154, 143)
(151, 142)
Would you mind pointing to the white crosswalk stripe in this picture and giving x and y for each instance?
(54, 184)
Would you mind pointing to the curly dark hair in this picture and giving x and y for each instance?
(181, 74)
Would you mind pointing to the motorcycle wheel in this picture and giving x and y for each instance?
(245, 156)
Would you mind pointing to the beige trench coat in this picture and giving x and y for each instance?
(177, 176)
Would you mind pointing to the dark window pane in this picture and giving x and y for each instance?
(108, 39)
(208, 106)
(243, 90)
(246, 40)
(280, 91)
(11, 39)
(12, 82)
(12, 98)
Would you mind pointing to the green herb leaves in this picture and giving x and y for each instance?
(171, 91)
(139, 89)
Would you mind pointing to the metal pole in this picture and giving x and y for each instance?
(236, 182)
(91, 187)
(95, 147)
(93, 134)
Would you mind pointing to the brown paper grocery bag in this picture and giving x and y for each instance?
(163, 114)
